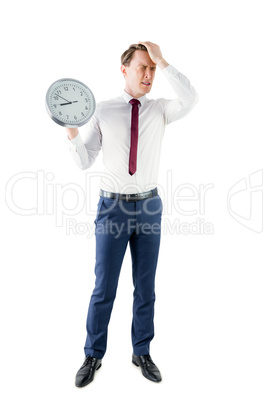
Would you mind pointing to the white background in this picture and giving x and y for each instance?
(211, 309)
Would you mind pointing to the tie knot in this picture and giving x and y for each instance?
(134, 102)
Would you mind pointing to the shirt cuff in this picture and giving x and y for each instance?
(76, 143)
(170, 71)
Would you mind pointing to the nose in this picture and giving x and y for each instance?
(148, 74)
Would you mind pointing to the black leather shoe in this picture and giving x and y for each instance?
(86, 373)
(148, 368)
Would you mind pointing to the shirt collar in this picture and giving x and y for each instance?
(128, 97)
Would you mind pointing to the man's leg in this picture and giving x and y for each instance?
(112, 236)
(144, 246)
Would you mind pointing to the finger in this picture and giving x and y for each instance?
(146, 43)
(143, 43)
(149, 43)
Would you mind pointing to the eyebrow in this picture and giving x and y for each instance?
(143, 65)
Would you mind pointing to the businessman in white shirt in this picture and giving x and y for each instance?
(129, 129)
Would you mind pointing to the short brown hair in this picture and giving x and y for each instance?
(129, 53)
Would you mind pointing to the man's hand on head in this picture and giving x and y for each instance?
(155, 54)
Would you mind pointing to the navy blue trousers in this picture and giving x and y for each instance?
(117, 224)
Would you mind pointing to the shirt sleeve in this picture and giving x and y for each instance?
(187, 96)
(85, 151)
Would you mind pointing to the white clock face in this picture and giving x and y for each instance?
(70, 103)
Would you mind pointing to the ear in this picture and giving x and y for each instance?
(123, 70)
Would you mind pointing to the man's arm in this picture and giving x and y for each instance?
(85, 151)
(187, 96)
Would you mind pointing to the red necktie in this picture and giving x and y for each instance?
(134, 136)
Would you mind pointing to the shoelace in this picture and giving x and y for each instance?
(88, 360)
(148, 360)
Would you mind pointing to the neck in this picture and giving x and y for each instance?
(135, 95)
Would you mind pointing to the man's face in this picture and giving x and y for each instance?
(139, 75)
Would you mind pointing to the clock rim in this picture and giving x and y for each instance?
(61, 123)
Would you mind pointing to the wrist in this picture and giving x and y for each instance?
(162, 63)
(72, 132)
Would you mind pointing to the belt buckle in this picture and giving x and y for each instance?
(130, 197)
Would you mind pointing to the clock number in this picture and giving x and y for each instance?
(86, 100)
(74, 88)
(60, 114)
(81, 93)
(59, 92)
(86, 108)
(67, 116)
(82, 114)
(55, 106)
(56, 97)
(75, 117)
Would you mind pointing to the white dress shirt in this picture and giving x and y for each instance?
(110, 129)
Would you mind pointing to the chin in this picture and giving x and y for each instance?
(146, 90)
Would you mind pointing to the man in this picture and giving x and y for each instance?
(129, 129)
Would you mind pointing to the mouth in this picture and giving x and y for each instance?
(147, 84)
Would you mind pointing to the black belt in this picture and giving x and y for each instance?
(130, 197)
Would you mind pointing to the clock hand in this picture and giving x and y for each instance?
(63, 104)
(63, 98)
